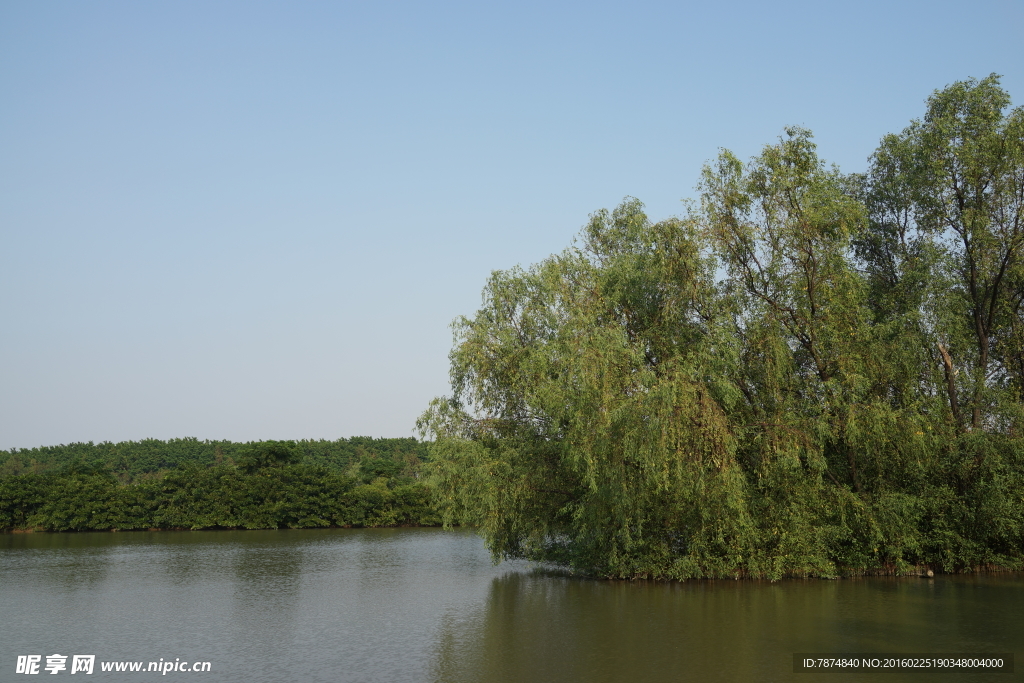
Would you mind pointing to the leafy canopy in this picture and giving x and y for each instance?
(810, 373)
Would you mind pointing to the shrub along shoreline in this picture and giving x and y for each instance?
(262, 485)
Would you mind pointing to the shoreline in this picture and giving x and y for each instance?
(888, 571)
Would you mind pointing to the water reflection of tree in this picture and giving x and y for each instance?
(536, 627)
(268, 569)
(546, 628)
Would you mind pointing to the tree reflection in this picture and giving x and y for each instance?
(543, 627)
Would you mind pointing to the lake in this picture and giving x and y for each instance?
(427, 605)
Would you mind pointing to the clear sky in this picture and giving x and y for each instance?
(256, 220)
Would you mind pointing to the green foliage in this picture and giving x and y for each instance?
(809, 374)
(351, 482)
(288, 496)
(132, 460)
(256, 456)
(947, 199)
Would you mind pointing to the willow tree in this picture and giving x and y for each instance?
(828, 454)
(959, 178)
(945, 248)
(587, 423)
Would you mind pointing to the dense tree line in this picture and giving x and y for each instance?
(188, 484)
(129, 460)
(810, 373)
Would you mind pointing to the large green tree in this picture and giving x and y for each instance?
(776, 384)
(587, 427)
(954, 181)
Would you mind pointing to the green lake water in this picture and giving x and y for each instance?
(339, 605)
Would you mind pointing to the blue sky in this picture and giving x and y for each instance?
(256, 220)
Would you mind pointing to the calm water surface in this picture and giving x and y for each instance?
(426, 605)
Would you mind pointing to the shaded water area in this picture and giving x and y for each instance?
(428, 605)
